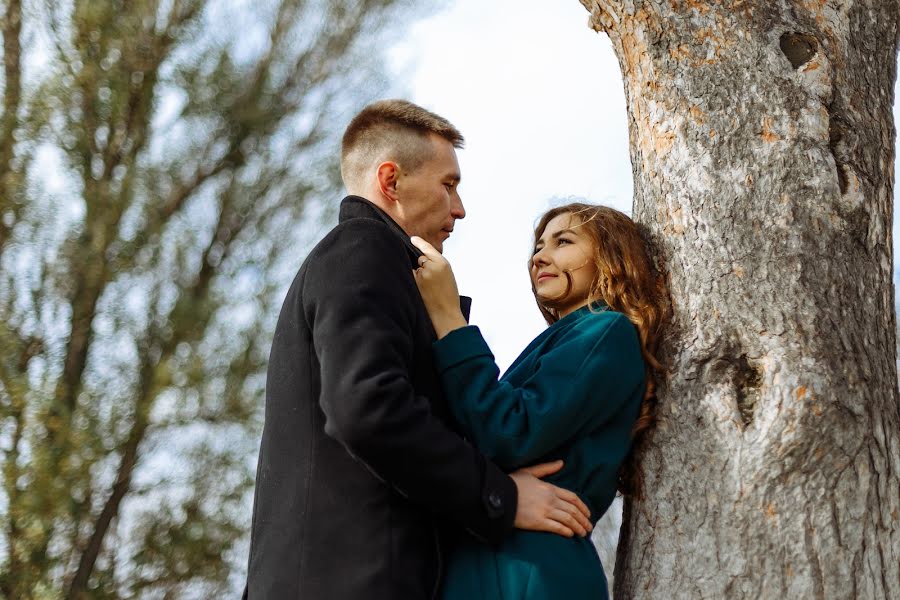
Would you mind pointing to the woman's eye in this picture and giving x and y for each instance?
(564, 241)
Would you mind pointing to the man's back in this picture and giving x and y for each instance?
(356, 457)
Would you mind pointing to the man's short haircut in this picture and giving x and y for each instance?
(395, 130)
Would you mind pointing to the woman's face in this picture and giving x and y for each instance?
(563, 247)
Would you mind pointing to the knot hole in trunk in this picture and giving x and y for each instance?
(799, 48)
(734, 378)
(746, 380)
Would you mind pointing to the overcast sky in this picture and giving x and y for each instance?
(538, 96)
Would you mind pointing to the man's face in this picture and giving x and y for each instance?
(429, 202)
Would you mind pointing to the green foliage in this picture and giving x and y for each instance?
(163, 164)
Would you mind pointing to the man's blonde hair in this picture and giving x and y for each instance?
(395, 130)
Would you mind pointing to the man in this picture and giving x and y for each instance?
(359, 469)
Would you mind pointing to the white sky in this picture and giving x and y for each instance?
(539, 97)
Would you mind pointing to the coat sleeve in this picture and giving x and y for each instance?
(360, 300)
(582, 381)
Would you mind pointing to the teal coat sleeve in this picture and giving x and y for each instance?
(579, 382)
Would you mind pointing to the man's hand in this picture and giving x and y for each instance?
(545, 507)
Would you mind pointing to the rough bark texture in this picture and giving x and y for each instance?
(762, 143)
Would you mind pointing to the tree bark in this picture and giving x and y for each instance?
(762, 145)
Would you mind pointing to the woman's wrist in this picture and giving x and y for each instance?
(445, 323)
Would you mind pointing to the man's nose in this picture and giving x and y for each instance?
(457, 210)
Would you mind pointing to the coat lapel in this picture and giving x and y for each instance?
(357, 207)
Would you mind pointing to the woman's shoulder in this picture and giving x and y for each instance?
(604, 326)
(601, 319)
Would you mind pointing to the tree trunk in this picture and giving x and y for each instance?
(762, 144)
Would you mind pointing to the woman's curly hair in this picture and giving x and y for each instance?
(628, 283)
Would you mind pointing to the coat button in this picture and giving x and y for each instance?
(495, 501)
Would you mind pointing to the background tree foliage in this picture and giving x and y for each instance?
(156, 158)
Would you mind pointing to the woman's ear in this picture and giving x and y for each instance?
(388, 174)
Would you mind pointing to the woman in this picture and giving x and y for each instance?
(580, 392)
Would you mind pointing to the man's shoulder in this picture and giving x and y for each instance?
(360, 238)
(358, 256)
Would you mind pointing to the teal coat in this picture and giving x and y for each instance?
(573, 394)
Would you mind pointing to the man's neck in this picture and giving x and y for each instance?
(378, 200)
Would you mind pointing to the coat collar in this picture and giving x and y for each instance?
(357, 207)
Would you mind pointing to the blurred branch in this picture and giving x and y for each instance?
(129, 453)
(90, 268)
(10, 179)
(11, 26)
(53, 20)
(188, 323)
(15, 390)
(18, 350)
(104, 208)
(181, 13)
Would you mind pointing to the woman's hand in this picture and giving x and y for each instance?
(437, 285)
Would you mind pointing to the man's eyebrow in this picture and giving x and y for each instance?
(453, 177)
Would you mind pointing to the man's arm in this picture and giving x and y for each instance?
(360, 300)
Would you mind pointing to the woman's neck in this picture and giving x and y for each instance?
(563, 312)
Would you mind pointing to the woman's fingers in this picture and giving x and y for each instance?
(420, 243)
(427, 249)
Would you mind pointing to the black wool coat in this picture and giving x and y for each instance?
(359, 469)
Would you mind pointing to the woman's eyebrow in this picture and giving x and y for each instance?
(540, 243)
(556, 235)
(563, 232)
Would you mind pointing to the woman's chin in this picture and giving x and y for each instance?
(547, 297)
(547, 290)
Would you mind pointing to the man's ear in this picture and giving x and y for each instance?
(388, 174)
